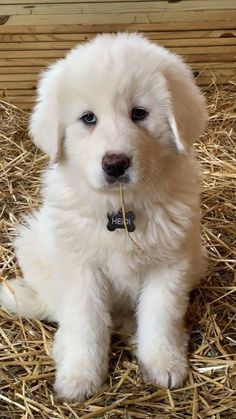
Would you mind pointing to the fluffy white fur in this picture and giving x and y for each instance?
(77, 272)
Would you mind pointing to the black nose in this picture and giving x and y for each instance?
(115, 164)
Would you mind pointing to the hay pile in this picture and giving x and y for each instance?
(27, 371)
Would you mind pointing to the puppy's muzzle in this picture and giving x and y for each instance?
(115, 166)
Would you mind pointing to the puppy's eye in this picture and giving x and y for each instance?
(89, 118)
(138, 114)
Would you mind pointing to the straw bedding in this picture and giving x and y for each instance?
(27, 370)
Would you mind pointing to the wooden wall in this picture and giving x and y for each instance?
(35, 33)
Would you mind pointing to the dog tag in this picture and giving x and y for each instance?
(116, 221)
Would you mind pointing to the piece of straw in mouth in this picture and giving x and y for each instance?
(136, 245)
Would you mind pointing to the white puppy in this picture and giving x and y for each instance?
(117, 110)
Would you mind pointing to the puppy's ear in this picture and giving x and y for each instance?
(45, 128)
(188, 114)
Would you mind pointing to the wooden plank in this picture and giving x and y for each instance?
(53, 53)
(21, 99)
(6, 62)
(38, 46)
(21, 92)
(33, 54)
(20, 85)
(223, 16)
(19, 77)
(217, 24)
(19, 70)
(206, 50)
(209, 58)
(160, 7)
(65, 45)
(199, 42)
(43, 37)
(214, 65)
(34, 2)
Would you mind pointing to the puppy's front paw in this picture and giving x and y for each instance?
(166, 369)
(75, 385)
(81, 369)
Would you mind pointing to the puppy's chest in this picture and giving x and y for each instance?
(144, 239)
(105, 240)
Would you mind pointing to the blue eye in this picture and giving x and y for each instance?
(138, 114)
(89, 118)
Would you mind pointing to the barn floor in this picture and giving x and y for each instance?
(27, 370)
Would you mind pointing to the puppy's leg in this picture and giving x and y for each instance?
(162, 341)
(33, 295)
(82, 340)
(19, 298)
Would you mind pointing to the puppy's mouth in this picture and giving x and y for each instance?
(111, 183)
(114, 181)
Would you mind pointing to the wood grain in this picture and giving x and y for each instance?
(217, 35)
(36, 33)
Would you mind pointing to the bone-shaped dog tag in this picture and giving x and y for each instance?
(117, 221)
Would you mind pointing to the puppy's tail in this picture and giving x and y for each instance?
(19, 298)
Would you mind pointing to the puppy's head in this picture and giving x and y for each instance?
(115, 107)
